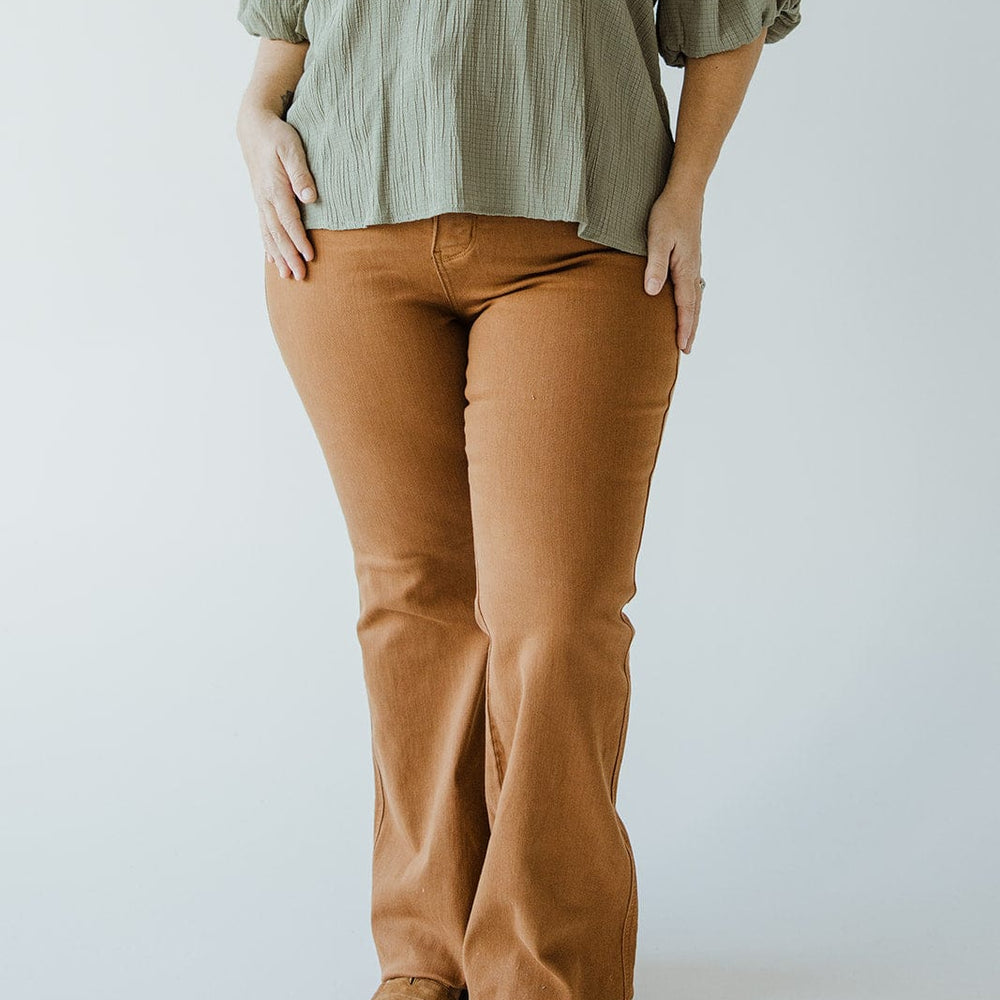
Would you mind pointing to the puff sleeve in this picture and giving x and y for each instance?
(280, 19)
(702, 27)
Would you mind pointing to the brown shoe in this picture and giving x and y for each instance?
(417, 988)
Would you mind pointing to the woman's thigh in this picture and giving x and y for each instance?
(572, 366)
(379, 364)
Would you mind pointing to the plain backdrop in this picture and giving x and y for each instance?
(811, 770)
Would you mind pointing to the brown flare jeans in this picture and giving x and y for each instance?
(490, 393)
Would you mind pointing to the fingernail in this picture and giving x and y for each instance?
(651, 285)
(307, 193)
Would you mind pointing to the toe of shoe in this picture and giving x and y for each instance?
(417, 988)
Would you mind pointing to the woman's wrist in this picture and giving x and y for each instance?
(688, 175)
(686, 190)
(255, 107)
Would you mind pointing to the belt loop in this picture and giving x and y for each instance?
(434, 234)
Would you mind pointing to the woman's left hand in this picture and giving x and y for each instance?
(673, 234)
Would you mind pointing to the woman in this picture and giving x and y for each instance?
(494, 238)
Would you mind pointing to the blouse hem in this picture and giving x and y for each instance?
(585, 230)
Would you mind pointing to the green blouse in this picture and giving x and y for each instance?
(549, 109)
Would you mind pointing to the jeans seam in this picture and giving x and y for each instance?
(615, 772)
(443, 278)
(381, 797)
(497, 756)
(465, 249)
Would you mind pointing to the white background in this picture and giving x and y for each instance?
(811, 772)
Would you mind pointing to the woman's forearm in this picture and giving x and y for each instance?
(276, 74)
(711, 96)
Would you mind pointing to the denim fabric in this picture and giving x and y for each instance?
(489, 394)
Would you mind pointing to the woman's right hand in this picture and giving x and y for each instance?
(280, 177)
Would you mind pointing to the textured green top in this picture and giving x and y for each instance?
(548, 109)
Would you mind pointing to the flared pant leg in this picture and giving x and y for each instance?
(379, 361)
(571, 371)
